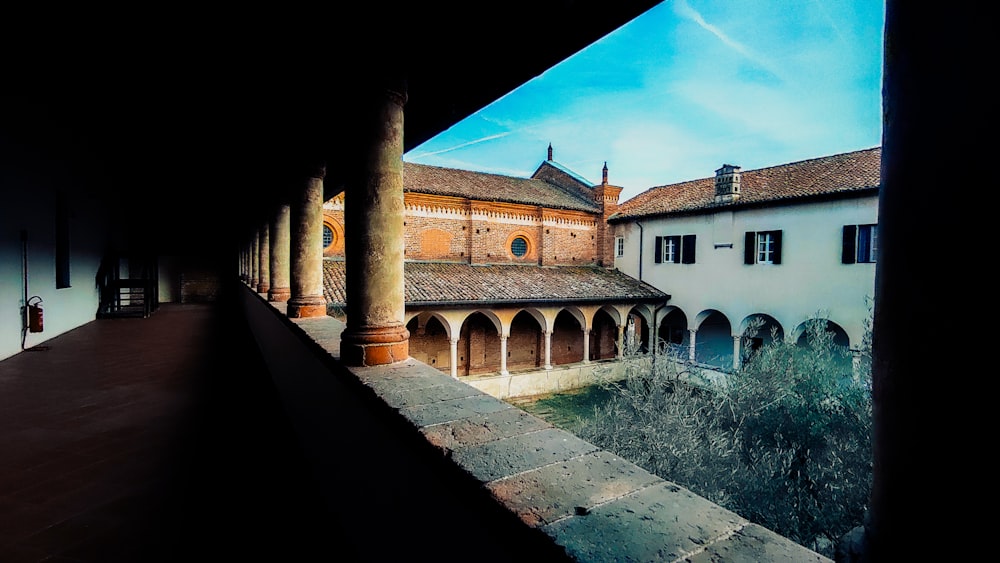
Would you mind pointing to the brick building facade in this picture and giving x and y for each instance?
(506, 273)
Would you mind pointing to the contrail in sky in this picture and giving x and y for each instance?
(463, 145)
(682, 8)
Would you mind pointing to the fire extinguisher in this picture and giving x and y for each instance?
(35, 320)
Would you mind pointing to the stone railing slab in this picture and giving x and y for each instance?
(591, 503)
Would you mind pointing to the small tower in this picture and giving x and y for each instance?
(606, 197)
(727, 184)
(550, 152)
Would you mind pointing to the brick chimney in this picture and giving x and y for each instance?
(727, 184)
(550, 152)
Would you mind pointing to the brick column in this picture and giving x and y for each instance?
(264, 280)
(373, 226)
(280, 238)
(306, 249)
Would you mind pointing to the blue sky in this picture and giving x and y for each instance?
(686, 87)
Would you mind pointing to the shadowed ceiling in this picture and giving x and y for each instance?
(192, 122)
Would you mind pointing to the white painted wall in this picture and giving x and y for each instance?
(811, 278)
(29, 204)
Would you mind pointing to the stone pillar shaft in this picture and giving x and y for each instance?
(621, 341)
(693, 339)
(264, 282)
(548, 349)
(280, 239)
(454, 358)
(373, 228)
(254, 256)
(736, 352)
(306, 250)
(503, 355)
(586, 345)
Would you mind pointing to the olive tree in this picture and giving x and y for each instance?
(784, 440)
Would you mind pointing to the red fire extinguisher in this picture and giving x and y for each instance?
(35, 320)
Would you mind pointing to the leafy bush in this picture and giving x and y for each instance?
(785, 440)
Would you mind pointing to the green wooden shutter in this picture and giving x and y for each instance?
(847, 252)
(687, 249)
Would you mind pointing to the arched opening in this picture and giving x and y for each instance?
(759, 330)
(839, 340)
(525, 342)
(429, 342)
(567, 339)
(603, 336)
(636, 335)
(478, 346)
(714, 342)
(673, 334)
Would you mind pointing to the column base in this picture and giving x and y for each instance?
(262, 288)
(279, 294)
(374, 346)
(302, 308)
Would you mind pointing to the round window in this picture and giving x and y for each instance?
(327, 236)
(519, 247)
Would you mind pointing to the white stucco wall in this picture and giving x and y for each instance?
(29, 204)
(810, 279)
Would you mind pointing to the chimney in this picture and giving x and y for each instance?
(604, 175)
(727, 184)
(550, 152)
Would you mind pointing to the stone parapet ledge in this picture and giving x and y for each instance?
(594, 505)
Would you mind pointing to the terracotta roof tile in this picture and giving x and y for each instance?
(453, 283)
(421, 178)
(842, 173)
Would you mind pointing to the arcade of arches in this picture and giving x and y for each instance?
(479, 340)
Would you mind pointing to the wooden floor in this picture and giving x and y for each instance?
(157, 439)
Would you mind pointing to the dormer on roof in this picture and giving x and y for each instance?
(727, 184)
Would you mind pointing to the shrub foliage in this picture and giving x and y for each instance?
(784, 441)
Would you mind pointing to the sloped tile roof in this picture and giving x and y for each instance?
(444, 283)
(555, 173)
(837, 174)
(435, 180)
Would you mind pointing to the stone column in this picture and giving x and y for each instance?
(254, 256)
(693, 339)
(503, 355)
(736, 351)
(548, 349)
(454, 357)
(621, 341)
(586, 345)
(280, 238)
(373, 227)
(242, 264)
(264, 282)
(306, 249)
(856, 364)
